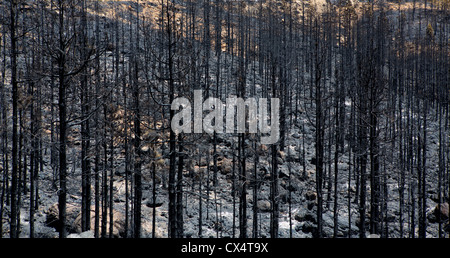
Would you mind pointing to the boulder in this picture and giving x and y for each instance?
(149, 203)
(283, 172)
(73, 220)
(300, 215)
(85, 234)
(293, 185)
(439, 213)
(262, 150)
(294, 159)
(225, 166)
(264, 206)
(283, 196)
(342, 224)
(42, 231)
(309, 227)
(306, 215)
(280, 161)
(311, 195)
(118, 223)
(52, 216)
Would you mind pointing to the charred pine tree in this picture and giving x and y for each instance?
(137, 133)
(85, 129)
(318, 61)
(13, 12)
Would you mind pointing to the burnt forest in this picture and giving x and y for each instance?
(224, 118)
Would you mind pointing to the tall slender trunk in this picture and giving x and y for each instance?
(172, 141)
(137, 131)
(62, 105)
(14, 233)
(320, 130)
(85, 134)
(374, 169)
